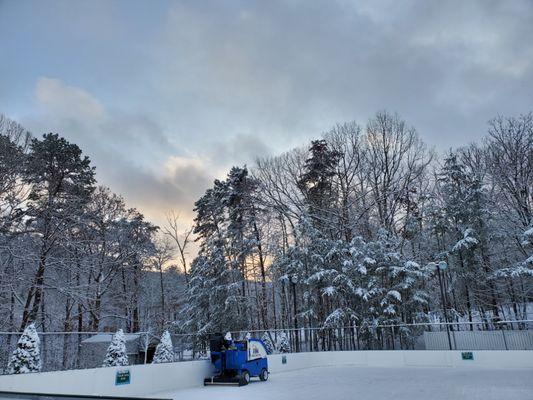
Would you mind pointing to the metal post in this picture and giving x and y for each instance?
(504, 337)
(446, 300)
(297, 343)
(444, 308)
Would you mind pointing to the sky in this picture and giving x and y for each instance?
(165, 96)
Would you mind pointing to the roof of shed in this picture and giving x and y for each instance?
(107, 337)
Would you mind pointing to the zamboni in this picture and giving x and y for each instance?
(236, 362)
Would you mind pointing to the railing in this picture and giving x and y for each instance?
(501, 335)
(61, 350)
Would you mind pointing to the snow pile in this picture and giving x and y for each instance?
(164, 351)
(27, 356)
(116, 352)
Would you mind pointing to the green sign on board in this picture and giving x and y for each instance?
(284, 359)
(467, 355)
(123, 377)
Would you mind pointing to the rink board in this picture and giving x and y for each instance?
(52, 396)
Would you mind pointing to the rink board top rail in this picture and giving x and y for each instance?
(53, 396)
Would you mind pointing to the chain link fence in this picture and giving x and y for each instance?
(62, 350)
(59, 350)
(503, 335)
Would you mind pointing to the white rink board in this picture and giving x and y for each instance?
(145, 380)
(399, 358)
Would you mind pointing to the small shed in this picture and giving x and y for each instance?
(93, 349)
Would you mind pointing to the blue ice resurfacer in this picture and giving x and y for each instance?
(236, 362)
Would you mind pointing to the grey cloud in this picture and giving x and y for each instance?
(224, 82)
(85, 120)
(148, 189)
(291, 69)
(128, 150)
(238, 149)
(154, 193)
(137, 130)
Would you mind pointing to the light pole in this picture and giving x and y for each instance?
(294, 279)
(441, 266)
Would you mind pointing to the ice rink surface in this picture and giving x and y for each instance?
(367, 383)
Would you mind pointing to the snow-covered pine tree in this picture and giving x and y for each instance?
(526, 267)
(116, 352)
(239, 233)
(216, 281)
(463, 209)
(27, 356)
(322, 278)
(381, 284)
(268, 342)
(54, 201)
(207, 268)
(307, 268)
(523, 268)
(283, 345)
(316, 183)
(164, 352)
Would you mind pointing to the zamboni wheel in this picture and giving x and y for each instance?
(245, 378)
(263, 375)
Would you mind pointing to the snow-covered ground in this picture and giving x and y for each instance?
(363, 383)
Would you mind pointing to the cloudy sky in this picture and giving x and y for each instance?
(166, 95)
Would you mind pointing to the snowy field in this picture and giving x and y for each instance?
(364, 383)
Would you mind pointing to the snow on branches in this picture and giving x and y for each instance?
(268, 342)
(26, 358)
(116, 352)
(283, 345)
(164, 352)
(468, 241)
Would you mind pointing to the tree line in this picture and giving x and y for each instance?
(73, 256)
(347, 232)
(336, 233)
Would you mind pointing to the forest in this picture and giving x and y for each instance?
(342, 231)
